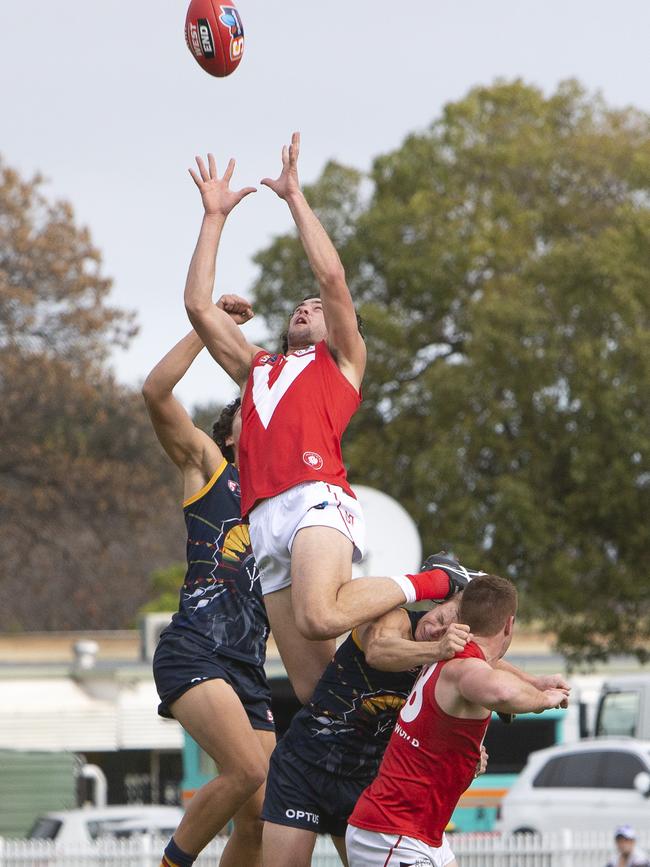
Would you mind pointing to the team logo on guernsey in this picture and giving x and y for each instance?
(313, 460)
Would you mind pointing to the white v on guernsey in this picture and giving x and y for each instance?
(294, 412)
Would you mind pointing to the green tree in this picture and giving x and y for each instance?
(165, 585)
(501, 261)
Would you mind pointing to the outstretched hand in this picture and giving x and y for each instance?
(551, 681)
(217, 197)
(287, 183)
(238, 308)
(556, 697)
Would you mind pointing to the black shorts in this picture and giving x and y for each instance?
(180, 663)
(303, 796)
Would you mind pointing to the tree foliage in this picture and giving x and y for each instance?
(165, 584)
(52, 293)
(87, 503)
(501, 261)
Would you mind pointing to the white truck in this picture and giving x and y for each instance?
(624, 707)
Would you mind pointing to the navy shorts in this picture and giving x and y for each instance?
(303, 796)
(180, 663)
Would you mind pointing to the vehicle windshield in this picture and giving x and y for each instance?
(618, 714)
(45, 828)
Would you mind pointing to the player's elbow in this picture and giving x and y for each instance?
(197, 309)
(151, 391)
(373, 658)
(503, 696)
(377, 657)
(333, 277)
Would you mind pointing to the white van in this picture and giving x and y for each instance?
(585, 786)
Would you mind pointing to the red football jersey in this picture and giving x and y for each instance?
(294, 412)
(430, 760)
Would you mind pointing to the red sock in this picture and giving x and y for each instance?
(433, 584)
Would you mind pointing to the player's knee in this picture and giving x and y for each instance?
(254, 776)
(316, 626)
(247, 775)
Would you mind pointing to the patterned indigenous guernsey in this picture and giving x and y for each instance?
(430, 761)
(294, 412)
(347, 724)
(221, 605)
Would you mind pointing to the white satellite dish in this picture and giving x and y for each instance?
(393, 544)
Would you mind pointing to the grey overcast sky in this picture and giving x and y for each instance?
(105, 100)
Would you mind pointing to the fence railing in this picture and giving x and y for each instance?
(562, 849)
(141, 851)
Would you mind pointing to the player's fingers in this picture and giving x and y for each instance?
(295, 146)
(459, 631)
(202, 169)
(267, 182)
(212, 166)
(195, 177)
(246, 192)
(230, 168)
(285, 155)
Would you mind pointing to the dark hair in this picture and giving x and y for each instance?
(222, 429)
(283, 336)
(486, 604)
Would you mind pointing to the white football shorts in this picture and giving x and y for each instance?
(373, 849)
(275, 521)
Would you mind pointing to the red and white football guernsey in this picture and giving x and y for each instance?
(430, 760)
(294, 412)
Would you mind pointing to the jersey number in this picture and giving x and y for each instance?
(413, 704)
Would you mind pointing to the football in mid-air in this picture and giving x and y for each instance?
(215, 36)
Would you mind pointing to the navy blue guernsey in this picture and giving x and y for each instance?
(346, 726)
(221, 600)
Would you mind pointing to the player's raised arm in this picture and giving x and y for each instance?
(187, 446)
(215, 327)
(480, 684)
(343, 335)
(389, 645)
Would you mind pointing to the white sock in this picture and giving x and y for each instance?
(406, 586)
